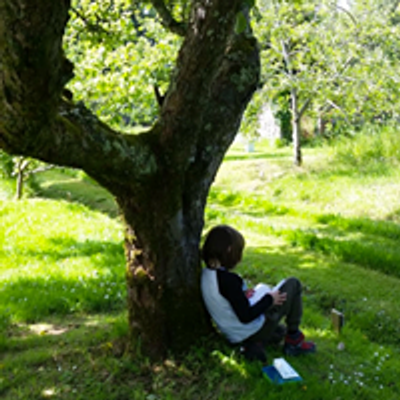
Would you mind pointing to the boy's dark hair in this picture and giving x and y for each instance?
(223, 247)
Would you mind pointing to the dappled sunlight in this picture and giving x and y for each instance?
(94, 321)
(318, 333)
(48, 393)
(231, 362)
(48, 329)
(51, 333)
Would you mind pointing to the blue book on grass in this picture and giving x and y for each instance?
(281, 372)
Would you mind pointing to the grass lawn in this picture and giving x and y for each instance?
(63, 318)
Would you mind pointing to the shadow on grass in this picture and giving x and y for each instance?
(246, 203)
(60, 351)
(108, 253)
(61, 290)
(329, 283)
(254, 156)
(31, 299)
(61, 186)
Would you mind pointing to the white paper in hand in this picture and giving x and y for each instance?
(261, 290)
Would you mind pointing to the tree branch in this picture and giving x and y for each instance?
(347, 12)
(208, 49)
(97, 28)
(167, 19)
(335, 106)
(79, 139)
(217, 73)
(304, 107)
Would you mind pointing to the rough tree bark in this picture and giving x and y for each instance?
(160, 178)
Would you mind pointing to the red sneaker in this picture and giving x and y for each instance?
(295, 345)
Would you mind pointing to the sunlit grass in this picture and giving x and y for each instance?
(57, 257)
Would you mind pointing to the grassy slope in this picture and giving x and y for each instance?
(62, 294)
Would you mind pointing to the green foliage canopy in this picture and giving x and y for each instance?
(119, 52)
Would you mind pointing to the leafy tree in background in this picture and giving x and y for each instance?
(161, 177)
(332, 62)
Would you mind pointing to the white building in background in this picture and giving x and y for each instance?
(268, 127)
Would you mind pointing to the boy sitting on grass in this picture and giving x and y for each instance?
(228, 301)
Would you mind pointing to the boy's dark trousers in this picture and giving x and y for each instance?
(291, 310)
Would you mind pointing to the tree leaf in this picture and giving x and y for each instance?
(241, 23)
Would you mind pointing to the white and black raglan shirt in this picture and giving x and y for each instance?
(225, 299)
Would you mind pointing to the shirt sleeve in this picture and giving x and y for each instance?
(231, 287)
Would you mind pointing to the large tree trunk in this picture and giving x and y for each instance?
(160, 178)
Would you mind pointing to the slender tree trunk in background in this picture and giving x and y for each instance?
(20, 180)
(320, 126)
(296, 128)
(159, 178)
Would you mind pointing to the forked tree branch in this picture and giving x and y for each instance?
(167, 20)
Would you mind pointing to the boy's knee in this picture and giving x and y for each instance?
(294, 283)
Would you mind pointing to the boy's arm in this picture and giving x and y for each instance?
(231, 287)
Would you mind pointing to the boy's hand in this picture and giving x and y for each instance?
(278, 297)
(249, 292)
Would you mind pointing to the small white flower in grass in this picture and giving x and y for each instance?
(48, 392)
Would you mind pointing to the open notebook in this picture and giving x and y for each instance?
(262, 289)
(281, 372)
